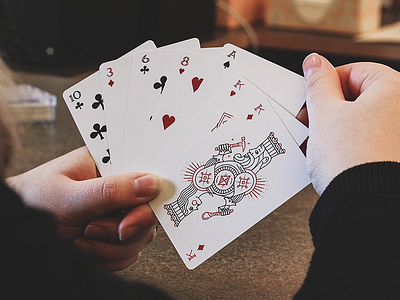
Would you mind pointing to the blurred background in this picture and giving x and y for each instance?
(59, 36)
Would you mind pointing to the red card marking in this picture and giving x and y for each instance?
(196, 82)
(181, 70)
(167, 121)
(233, 93)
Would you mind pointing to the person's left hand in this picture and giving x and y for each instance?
(88, 207)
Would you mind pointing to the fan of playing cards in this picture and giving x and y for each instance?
(216, 123)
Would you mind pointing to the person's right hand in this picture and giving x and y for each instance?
(354, 116)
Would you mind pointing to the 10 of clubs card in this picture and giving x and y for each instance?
(86, 104)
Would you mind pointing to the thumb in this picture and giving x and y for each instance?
(102, 195)
(322, 84)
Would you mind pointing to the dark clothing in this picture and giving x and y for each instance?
(355, 227)
(356, 233)
(35, 264)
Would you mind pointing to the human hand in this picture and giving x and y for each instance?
(87, 207)
(363, 129)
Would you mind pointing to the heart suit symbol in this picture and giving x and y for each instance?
(196, 82)
(233, 93)
(167, 121)
(181, 70)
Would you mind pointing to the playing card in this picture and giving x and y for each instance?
(217, 124)
(228, 181)
(272, 79)
(149, 80)
(114, 79)
(297, 130)
(86, 104)
(185, 79)
(229, 100)
(115, 82)
(175, 130)
(267, 76)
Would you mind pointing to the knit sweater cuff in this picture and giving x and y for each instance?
(380, 178)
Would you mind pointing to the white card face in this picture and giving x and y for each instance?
(272, 79)
(228, 181)
(114, 78)
(267, 76)
(149, 80)
(229, 100)
(297, 130)
(184, 81)
(115, 81)
(85, 102)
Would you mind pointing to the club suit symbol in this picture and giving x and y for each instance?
(160, 85)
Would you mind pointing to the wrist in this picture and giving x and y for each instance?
(21, 185)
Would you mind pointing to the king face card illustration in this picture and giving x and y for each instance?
(228, 181)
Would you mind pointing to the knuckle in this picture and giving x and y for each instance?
(109, 189)
(313, 84)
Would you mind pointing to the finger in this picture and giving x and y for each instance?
(99, 196)
(356, 78)
(104, 228)
(321, 77)
(108, 262)
(124, 226)
(117, 265)
(109, 252)
(78, 165)
(137, 219)
(322, 85)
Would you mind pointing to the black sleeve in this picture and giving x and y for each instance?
(35, 264)
(356, 234)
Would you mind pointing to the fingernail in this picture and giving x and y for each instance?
(128, 232)
(310, 64)
(93, 231)
(147, 185)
